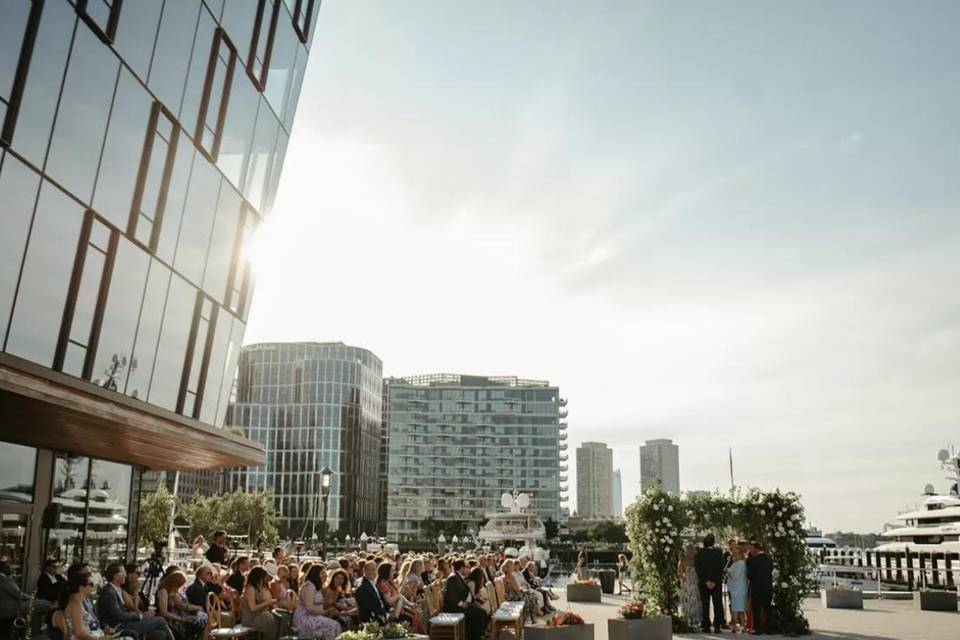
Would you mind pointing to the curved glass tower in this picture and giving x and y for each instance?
(312, 405)
(141, 144)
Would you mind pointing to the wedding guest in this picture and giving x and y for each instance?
(132, 599)
(187, 621)
(689, 587)
(458, 599)
(257, 603)
(79, 623)
(737, 588)
(237, 578)
(312, 618)
(372, 606)
(336, 597)
(217, 553)
(623, 568)
(760, 575)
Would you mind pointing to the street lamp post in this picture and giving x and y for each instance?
(326, 475)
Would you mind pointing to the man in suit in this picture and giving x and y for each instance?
(115, 615)
(458, 599)
(709, 564)
(217, 553)
(204, 583)
(760, 575)
(370, 602)
(51, 582)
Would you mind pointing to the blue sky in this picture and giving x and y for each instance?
(733, 224)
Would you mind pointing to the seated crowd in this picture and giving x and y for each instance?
(278, 596)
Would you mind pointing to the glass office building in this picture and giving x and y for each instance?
(456, 443)
(312, 405)
(141, 144)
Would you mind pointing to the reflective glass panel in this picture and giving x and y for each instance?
(168, 368)
(43, 82)
(204, 321)
(275, 170)
(198, 217)
(109, 499)
(176, 196)
(229, 370)
(198, 71)
(137, 32)
(222, 242)
(12, 27)
(17, 467)
(82, 116)
(38, 309)
(237, 21)
(120, 316)
(261, 155)
(282, 61)
(299, 68)
(18, 193)
(215, 370)
(238, 127)
(122, 152)
(148, 331)
(70, 477)
(93, 261)
(172, 54)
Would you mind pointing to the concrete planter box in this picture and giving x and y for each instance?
(564, 632)
(937, 600)
(841, 599)
(640, 629)
(584, 593)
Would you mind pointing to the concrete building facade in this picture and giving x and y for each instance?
(660, 465)
(594, 480)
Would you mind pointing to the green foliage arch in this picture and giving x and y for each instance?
(659, 525)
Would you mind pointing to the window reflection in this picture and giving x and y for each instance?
(216, 95)
(156, 166)
(174, 334)
(114, 357)
(82, 116)
(302, 19)
(261, 155)
(222, 242)
(136, 33)
(69, 490)
(238, 128)
(171, 56)
(17, 467)
(148, 331)
(198, 213)
(38, 309)
(105, 539)
(43, 81)
(265, 25)
(198, 355)
(117, 177)
(17, 32)
(18, 193)
(101, 16)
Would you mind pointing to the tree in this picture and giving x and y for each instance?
(613, 532)
(246, 513)
(156, 512)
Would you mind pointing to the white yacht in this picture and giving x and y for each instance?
(935, 526)
(514, 525)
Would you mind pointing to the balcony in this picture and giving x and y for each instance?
(563, 477)
(564, 498)
(563, 468)
(563, 446)
(564, 488)
(563, 413)
(563, 402)
(563, 435)
(563, 426)
(564, 457)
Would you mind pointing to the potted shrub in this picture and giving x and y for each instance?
(636, 622)
(932, 600)
(562, 626)
(840, 597)
(584, 591)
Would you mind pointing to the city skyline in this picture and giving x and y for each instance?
(698, 220)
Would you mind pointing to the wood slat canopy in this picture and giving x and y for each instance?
(43, 408)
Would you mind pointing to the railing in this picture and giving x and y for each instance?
(915, 570)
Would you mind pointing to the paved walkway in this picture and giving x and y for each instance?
(879, 620)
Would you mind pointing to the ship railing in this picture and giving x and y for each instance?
(915, 570)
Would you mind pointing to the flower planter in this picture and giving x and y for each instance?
(584, 593)
(660, 628)
(563, 632)
(842, 599)
(937, 600)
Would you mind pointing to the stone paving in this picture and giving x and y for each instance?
(879, 620)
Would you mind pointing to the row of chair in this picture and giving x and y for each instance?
(506, 615)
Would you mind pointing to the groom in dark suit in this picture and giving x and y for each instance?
(709, 564)
(760, 575)
(457, 598)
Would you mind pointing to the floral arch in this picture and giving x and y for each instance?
(660, 524)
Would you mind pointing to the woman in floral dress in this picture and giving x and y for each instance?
(689, 588)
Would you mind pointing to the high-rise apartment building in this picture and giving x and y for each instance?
(617, 494)
(313, 405)
(594, 480)
(660, 465)
(140, 146)
(456, 443)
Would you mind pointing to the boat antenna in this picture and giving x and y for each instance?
(732, 485)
